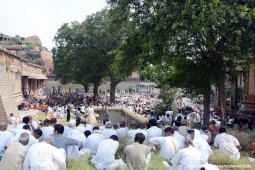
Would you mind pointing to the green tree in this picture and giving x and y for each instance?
(202, 40)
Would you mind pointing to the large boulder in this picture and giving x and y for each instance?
(34, 40)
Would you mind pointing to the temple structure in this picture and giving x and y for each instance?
(17, 76)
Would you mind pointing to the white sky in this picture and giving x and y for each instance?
(43, 17)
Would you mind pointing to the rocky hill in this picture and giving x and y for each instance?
(31, 49)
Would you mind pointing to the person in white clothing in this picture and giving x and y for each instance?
(122, 131)
(44, 156)
(83, 126)
(179, 137)
(68, 129)
(109, 131)
(5, 137)
(48, 130)
(136, 128)
(33, 137)
(153, 131)
(105, 156)
(93, 141)
(188, 158)
(169, 146)
(200, 144)
(15, 154)
(228, 144)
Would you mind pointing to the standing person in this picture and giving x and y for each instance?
(169, 146)
(68, 116)
(15, 154)
(137, 155)
(105, 156)
(78, 116)
(44, 156)
(228, 144)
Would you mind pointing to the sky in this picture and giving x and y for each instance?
(43, 17)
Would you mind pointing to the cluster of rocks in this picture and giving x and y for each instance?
(31, 49)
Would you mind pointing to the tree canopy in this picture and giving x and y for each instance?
(202, 41)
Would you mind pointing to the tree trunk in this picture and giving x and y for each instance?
(206, 116)
(222, 101)
(234, 91)
(86, 88)
(95, 90)
(112, 91)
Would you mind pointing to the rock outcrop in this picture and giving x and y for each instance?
(34, 40)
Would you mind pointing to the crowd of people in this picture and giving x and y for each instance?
(184, 143)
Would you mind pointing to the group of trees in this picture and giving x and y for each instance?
(192, 45)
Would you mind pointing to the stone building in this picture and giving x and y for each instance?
(17, 75)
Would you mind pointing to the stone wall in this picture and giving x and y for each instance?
(12, 69)
(118, 114)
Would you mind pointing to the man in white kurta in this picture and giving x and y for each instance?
(169, 146)
(5, 137)
(153, 131)
(200, 144)
(188, 158)
(228, 144)
(105, 156)
(109, 131)
(93, 141)
(44, 156)
(83, 126)
(179, 137)
(15, 154)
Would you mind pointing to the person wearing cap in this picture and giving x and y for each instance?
(15, 154)
(68, 129)
(109, 131)
(83, 126)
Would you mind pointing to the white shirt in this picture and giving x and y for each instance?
(43, 156)
(188, 159)
(179, 138)
(6, 138)
(122, 132)
(154, 131)
(169, 146)
(228, 144)
(47, 131)
(82, 128)
(131, 134)
(109, 132)
(20, 126)
(105, 153)
(93, 141)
